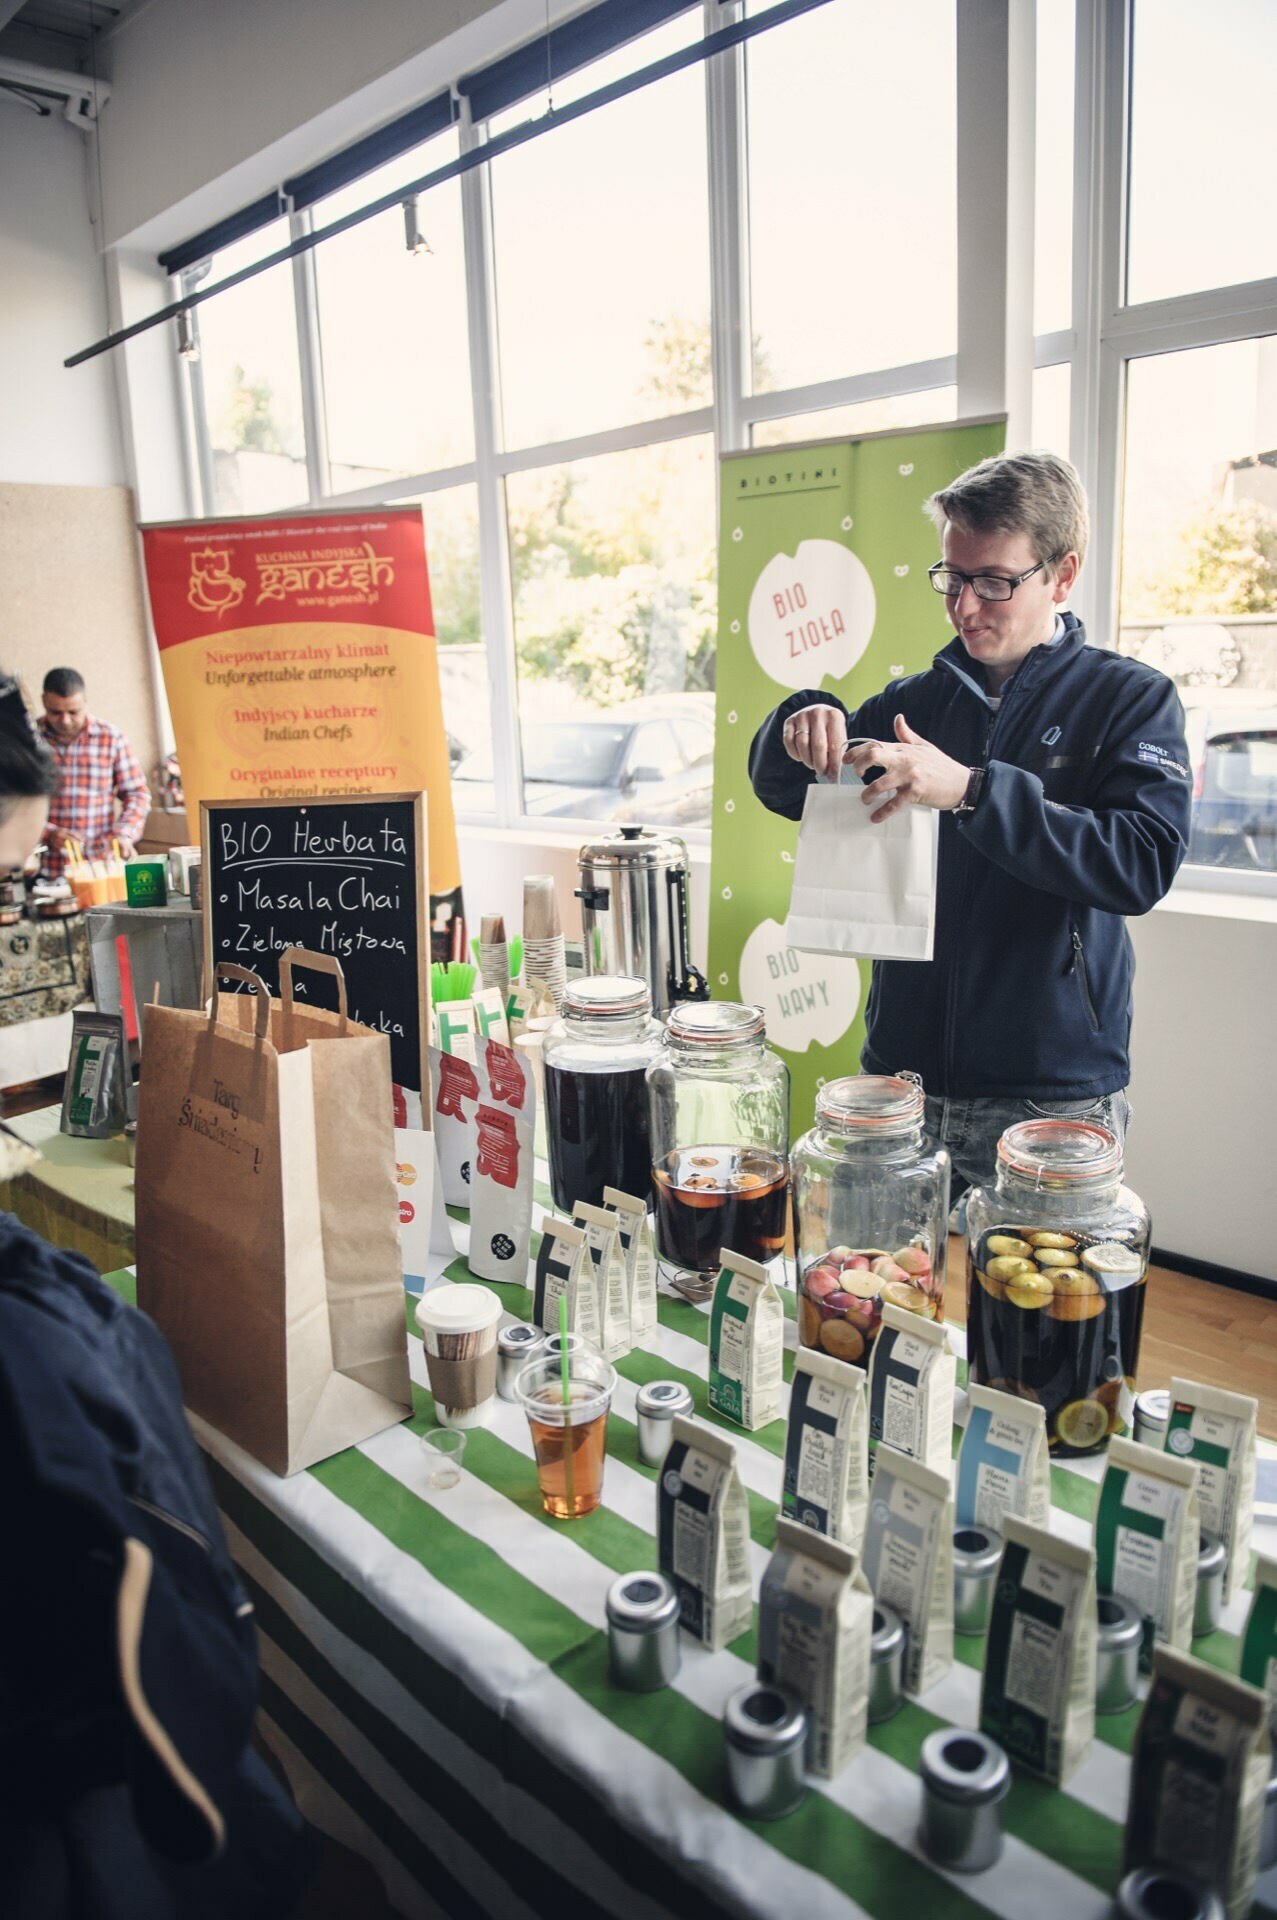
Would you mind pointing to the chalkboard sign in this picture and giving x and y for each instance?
(343, 875)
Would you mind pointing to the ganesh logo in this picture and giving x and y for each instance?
(212, 587)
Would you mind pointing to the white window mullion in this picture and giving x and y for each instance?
(731, 334)
(198, 400)
(310, 362)
(496, 602)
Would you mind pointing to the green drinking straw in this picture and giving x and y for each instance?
(563, 1343)
(569, 1493)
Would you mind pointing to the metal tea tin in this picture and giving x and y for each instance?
(1152, 1411)
(1150, 1893)
(655, 1407)
(1119, 1631)
(516, 1345)
(977, 1555)
(886, 1665)
(642, 1631)
(1212, 1558)
(965, 1782)
(766, 1734)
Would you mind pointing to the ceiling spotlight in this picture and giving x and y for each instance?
(414, 239)
(188, 345)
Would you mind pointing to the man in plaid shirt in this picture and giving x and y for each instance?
(96, 767)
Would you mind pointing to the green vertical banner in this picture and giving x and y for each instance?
(823, 557)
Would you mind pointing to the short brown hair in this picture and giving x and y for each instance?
(1038, 494)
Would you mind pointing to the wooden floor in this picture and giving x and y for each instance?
(1193, 1328)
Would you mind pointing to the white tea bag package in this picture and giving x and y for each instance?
(826, 1483)
(634, 1233)
(702, 1532)
(815, 1627)
(601, 1237)
(564, 1270)
(1216, 1431)
(1146, 1538)
(912, 1376)
(746, 1344)
(1003, 1463)
(1038, 1693)
(908, 1561)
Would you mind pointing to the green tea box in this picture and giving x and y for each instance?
(815, 1629)
(1037, 1698)
(912, 1377)
(746, 1344)
(826, 1478)
(702, 1534)
(1003, 1464)
(1199, 1773)
(1146, 1539)
(908, 1561)
(1216, 1430)
(1259, 1640)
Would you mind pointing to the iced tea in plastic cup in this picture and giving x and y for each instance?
(569, 1438)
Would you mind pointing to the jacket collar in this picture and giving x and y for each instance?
(1055, 653)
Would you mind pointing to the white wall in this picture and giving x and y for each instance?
(55, 427)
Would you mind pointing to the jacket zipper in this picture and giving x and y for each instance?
(951, 1011)
(1078, 966)
(171, 1520)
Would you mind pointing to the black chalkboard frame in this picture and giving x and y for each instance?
(344, 802)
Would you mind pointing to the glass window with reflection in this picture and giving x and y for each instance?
(252, 382)
(451, 518)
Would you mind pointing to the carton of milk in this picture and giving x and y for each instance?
(908, 1561)
(1146, 1537)
(634, 1235)
(702, 1533)
(815, 1627)
(609, 1277)
(1038, 1694)
(826, 1483)
(1003, 1464)
(563, 1269)
(912, 1375)
(746, 1344)
(1216, 1430)
(1199, 1773)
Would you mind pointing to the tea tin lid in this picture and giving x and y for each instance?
(642, 1603)
(521, 1338)
(967, 1769)
(1211, 1556)
(662, 1399)
(1153, 1408)
(764, 1720)
(1118, 1626)
(976, 1550)
(888, 1635)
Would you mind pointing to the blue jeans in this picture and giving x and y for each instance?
(971, 1129)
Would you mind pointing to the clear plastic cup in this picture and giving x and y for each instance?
(569, 1438)
(445, 1450)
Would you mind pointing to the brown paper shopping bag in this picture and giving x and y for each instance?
(267, 1223)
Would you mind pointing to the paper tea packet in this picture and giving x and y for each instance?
(454, 1101)
(564, 1267)
(1038, 1694)
(1259, 1641)
(746, 1344)
(815, 1626)
(912, 1375)
(908, 1561)
(634, 1233)
(1003, 1464)
(1199, 1772)
(1216, 1430)
(826, 1484)
(601, 1237)
(702, 1532)
(501, 1171)
(1146, 1539)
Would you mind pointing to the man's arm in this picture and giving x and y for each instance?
(1119, 855)
(132, 792)
(780, 781)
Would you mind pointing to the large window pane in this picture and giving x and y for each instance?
(602, 256)
(393, 326)
(452, 555)
(1199, 575)
(853, 220)
(1053, 169)
(1051, 387)
(252, 382)
(866, 416)
(615, 611)
(1203, 193)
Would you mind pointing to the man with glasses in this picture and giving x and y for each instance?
(1061, 774)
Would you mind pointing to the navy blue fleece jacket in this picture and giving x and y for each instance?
(1082, 819)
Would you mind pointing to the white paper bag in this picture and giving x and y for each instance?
(859, 888)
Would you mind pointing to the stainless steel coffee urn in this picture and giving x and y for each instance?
(634, 915)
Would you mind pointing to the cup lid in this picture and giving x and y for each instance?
(458, 1307)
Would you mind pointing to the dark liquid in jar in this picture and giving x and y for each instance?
(708, 1198)
(1072, 1348)
(596, 1127)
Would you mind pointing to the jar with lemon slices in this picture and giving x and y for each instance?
(1058, 1260)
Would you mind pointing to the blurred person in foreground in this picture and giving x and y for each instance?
(98, 773)
(1060, 772)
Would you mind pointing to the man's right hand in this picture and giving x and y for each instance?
(816, 736)
(57, 837)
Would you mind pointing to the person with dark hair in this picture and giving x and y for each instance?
(28, 781)
(97, 768)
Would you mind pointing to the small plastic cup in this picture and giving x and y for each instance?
(569, 1438)
(445, 1450)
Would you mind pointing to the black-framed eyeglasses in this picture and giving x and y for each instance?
(986, 586)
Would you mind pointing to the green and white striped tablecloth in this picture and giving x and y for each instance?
(434, 1678)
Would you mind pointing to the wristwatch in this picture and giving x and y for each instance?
(974, 786)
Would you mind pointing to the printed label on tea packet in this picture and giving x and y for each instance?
(703, 1535)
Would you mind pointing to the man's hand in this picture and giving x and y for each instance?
(127, 849)
(57, 837)
(816, 736)
(916, 774)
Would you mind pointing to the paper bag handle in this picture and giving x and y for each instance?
(861, 740)
(228, 970)
(318, 963)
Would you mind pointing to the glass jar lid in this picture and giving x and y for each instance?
(607, 996)
(715, 1023)
(880, 1105)
(1060, 1153)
